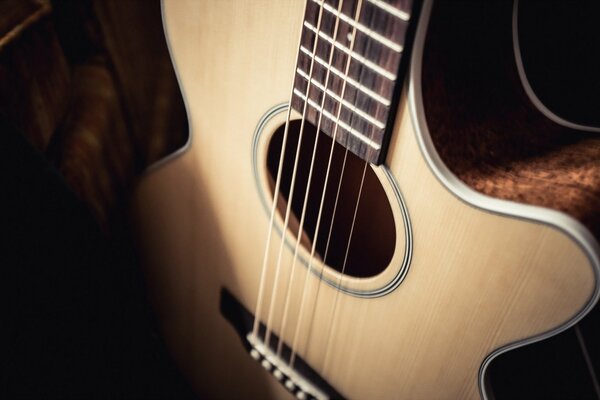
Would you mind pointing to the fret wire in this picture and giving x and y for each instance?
(376, 68)
(366, 49)
(360, 136)
(347, 104)
(369, 32)
(351, 81)
(390, 9)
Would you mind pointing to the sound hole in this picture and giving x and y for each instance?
(374, 234)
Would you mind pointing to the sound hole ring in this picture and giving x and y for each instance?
(376, 286)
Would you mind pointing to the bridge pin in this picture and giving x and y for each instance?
(266, 365)
(290, 385)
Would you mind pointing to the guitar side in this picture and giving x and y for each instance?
(478, 280)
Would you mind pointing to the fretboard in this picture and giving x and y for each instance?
(351, 89)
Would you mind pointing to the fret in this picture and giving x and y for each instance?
(362, 120)
(342, 136)
(345, 77)
(344, 102)
(328, 19)
(360, 136)
(368, 48)
(364, 77)
(348, 7)
(381, 71)
(382, 22)
(403, 15)
(334, 115)
(365, 103)
(362, 28)
(347, 113)
(352, 92)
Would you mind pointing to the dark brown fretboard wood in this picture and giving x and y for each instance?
(351, 56)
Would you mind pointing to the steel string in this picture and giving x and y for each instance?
(315, 237)
(264, 267)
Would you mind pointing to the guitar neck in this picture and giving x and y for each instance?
(349, 69)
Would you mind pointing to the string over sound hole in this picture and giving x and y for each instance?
(374, 234)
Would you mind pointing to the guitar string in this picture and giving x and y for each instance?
(264, 268)
(290, 194)
(335, 205)
(333, 314)
(309, 182)
(316, 232)
(293, 181)
(330, 230)
(326, 253)
(588, 360)
(332, 317)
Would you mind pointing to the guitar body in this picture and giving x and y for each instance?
(484, 275)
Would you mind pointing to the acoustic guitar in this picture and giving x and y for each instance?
(313, 240)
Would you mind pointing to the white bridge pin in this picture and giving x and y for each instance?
(266, 365)
(289, 384)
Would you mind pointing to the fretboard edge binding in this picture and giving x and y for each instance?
(369, 32)
(337, 121)
(344, 102)
(376, 68)
(343, 76)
